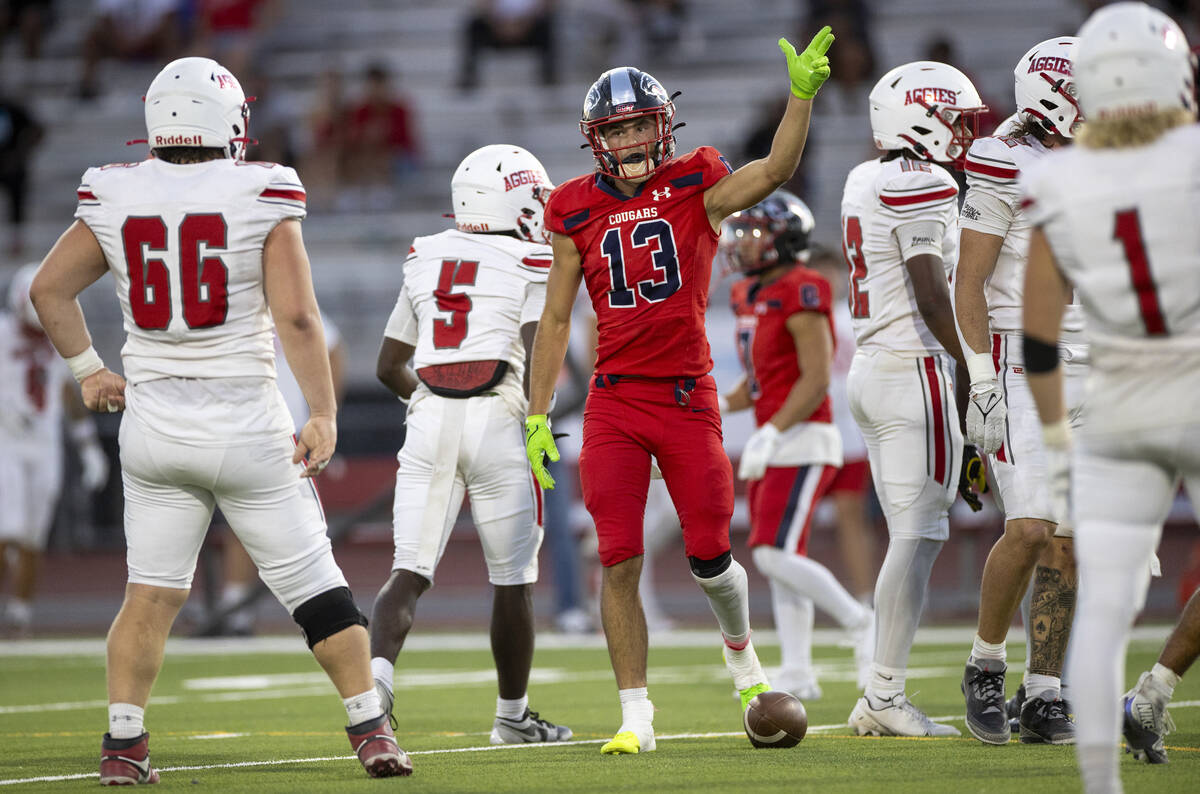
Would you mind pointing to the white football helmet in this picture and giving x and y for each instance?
(18, 295)
(1045, 86)
(1132, 59)
(929, 108)
(501, 188)
(197, 102)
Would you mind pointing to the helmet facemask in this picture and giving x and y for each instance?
(961, 123)
(612, 161)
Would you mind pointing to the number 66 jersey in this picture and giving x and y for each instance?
(184, 244)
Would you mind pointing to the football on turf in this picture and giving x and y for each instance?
(775, 719)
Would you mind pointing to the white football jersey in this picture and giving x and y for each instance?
(32, 377)
(184, 244)
(1124, 226)
(465, 297)
(993, 206)
(891, 211)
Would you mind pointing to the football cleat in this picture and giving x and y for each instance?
(530, 728)
(801, 683)
(751, 692)
(896, 716)
(377, 750)
(1012, 708)
(1046, 722)
(983, 687)
(629, 743)
(126, 762)
(1145, 721)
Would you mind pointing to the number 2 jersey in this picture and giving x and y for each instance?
(465, 297)
(185, 244)
(767, 350)
(1124, 227)
(647, 261)
(893, 210)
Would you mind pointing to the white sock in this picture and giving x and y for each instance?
(637, 712)
(1046, 687)
(982, 649)
(1114, 572)
(728, 596)
(383, 670)
(512, 709)
(363, 707)
(1099, 768)
(126, 721)
(900, 598)
(885, 683)
(794, 625)
(812, 580)
(1165, 676)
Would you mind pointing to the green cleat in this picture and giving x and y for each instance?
(750, 693)
(627, 743)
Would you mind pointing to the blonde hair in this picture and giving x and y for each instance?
(1130, 131)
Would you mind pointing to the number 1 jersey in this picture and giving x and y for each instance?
(647, 260)
(184, 244)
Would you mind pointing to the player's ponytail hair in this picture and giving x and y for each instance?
(1130, 131)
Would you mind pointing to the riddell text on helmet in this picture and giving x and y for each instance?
(178, 140)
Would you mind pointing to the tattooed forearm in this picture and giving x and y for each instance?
(1050, 616)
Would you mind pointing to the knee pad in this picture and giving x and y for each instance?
(326, 614)
(707, 569)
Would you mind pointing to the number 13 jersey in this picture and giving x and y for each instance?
(647, 260)
(184, 244)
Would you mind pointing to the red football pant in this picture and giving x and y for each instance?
(782, 504)
(627, 422)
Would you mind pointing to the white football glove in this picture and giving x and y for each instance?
(1057, 441)
(986, 414)
(758, 452)
(95, 467)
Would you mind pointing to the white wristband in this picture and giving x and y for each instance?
(85, 364)
(1057, 435)
(980, 367)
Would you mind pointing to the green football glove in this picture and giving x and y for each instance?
(539, 445)
(810, 69)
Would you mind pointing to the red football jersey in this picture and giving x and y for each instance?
(765, 344)
(647, 260)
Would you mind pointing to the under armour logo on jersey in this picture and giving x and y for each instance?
(665, 193)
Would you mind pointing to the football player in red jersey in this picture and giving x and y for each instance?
(785, 342)
(642, 230)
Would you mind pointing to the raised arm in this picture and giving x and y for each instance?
(754, 181)
(74, 263)
(287, 281)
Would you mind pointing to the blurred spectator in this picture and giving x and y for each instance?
(20, 134)
(758, 144)
(509, 24)
(852, 62)
(325, 140)
(273, 121)
(940, 48)
(381, 146)
(129, 30)
(661, 22)
(229, 31)
(30, 19)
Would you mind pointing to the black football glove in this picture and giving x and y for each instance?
(972, 481)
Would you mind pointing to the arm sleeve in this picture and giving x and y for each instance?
(283, 197)
(535, 301)
(920, 236)
(402, 324)
(985, 211)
